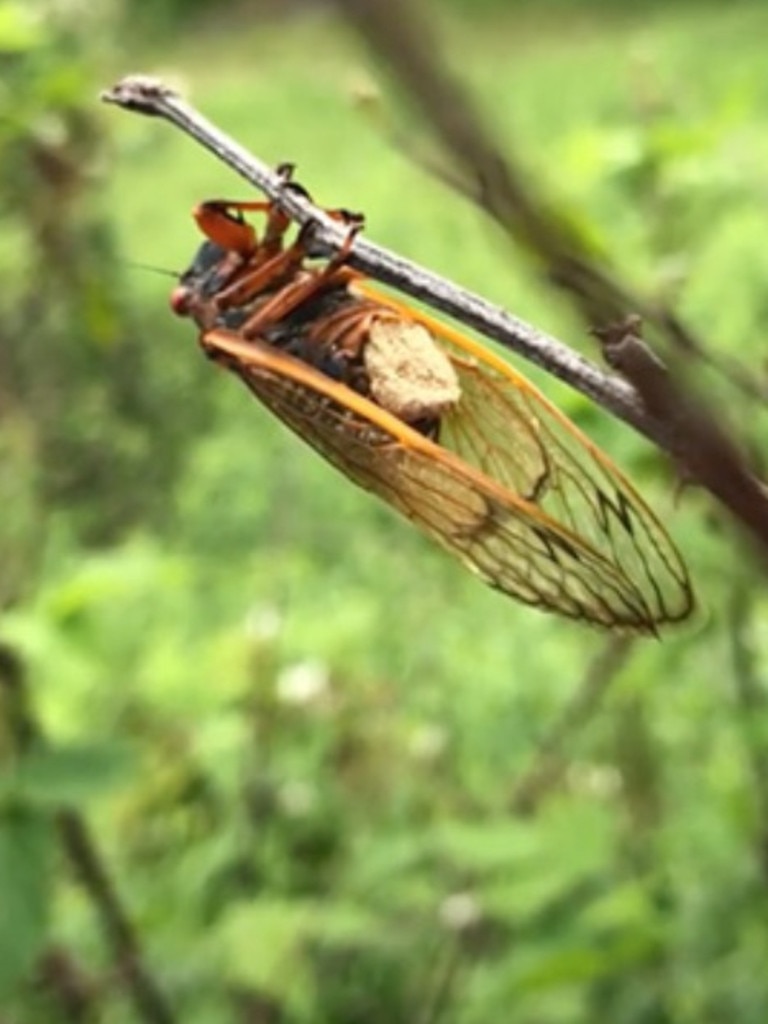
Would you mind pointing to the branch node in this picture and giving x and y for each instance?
(629, 354)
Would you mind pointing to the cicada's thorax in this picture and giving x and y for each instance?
(348, 337)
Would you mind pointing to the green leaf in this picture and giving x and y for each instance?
(565, 964)
(26, 846)
(68, 775)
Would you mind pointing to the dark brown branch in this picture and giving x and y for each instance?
(551, 761)
(705, 453)
(685, 428)
(87, 863)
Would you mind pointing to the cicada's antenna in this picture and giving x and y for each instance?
(175, 274)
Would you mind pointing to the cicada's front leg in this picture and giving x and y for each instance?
(296, 293)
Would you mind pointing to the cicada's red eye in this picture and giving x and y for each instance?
(179, 300)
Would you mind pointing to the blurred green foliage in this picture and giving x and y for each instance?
(69, 319)
(298, 732)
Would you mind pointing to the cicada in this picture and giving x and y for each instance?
(435, 423)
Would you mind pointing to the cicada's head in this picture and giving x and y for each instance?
(196, 294)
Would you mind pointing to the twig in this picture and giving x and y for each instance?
(683, 431)
(122, 938)
(551, 756)
(87, 863)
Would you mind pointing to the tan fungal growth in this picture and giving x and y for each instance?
(409, 374)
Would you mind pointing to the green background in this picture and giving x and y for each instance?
(329, 775)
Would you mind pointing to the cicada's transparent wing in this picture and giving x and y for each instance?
(504, 427)
(544, 460)
(477, 503)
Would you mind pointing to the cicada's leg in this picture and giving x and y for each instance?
(294, 295)
(345, 329)
(260, 278)
(221, 221)
(266, 274)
